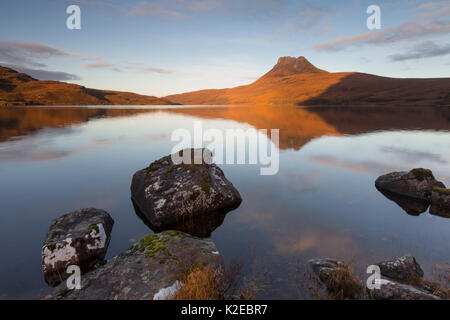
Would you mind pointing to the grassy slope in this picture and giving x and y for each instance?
(20, 89)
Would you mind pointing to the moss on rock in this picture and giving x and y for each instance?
(442, 190)
(421, 173)
(151, 244)
(93, 227)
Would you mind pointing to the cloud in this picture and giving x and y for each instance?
(433, 10)
(150, 69)
(23, 53)
(310, 15)
(426, 49)
(45, 74)
(97, 65)
(406, 31)
(153, 8)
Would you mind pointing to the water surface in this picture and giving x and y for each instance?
(323, 201)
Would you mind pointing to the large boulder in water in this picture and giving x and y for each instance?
(417, 183)
(169, 194)
(78, 238)
(148, 270)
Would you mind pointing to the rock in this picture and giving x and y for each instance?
(78, 238)
(391, 290)
(402, 280)
(416, 184)
(404, 269)
(440, 202)
(169, 194)
(148, 270)
(323, 267)
(337, 277)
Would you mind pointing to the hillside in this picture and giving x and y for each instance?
(20, 89)
(295, 81)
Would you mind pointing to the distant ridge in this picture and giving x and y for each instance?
(295, 81)
(21, 89)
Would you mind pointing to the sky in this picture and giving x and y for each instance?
(163, 47)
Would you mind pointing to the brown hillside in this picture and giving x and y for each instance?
(21, 89)
(297, 82)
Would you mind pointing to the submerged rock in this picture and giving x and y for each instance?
(440, 202)
(417, 183)
(78, 238)
(404, 268)
(148, 270)
(169, 194)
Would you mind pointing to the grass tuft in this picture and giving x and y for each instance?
(343, 284)
(200, 283)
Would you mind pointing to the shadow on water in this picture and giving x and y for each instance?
(415, 207)
(411, 206)
(199, 226)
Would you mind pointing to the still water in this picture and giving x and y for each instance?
(323, 201)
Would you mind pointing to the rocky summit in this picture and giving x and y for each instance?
(78, 238)
(169, 194)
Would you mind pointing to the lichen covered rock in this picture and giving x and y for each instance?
(151, 269)
(168, 194)
(404, 268)
(417, 183)
(78, 238)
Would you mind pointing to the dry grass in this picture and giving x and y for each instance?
(206, 283)
(200, 283)
(342, 283)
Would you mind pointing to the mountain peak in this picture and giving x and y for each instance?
(287, 66)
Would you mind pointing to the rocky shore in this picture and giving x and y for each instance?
(400, 279)
(151, 269)
(166, 195)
